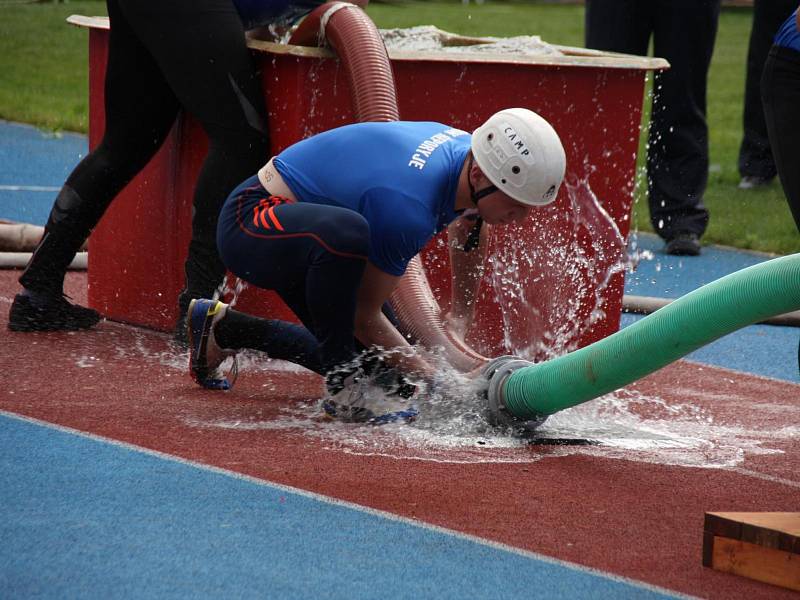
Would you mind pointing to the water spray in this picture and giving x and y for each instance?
(522, 395)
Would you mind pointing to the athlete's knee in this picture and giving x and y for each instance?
(349, 233)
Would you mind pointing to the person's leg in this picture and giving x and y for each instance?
(618, 25)
(780, 88)
(324, 294)
(140, 109)
(312, 255)
(279, 339)
(780, 93)
(201, 50)
(756, 165)
(677, 160)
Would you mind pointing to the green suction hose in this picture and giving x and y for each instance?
(522, 392)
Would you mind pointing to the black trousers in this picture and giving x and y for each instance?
(755, 156)
(164, 57)
(683, 32)
(780, 94)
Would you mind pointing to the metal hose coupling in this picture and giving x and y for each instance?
(497, 371)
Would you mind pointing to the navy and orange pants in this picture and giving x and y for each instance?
(312, 255)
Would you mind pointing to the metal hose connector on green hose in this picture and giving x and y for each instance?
(522, 392)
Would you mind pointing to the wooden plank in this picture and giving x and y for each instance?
(777, 530)
(768, 565)
(604, 60)
(764, 546)
(788, 522)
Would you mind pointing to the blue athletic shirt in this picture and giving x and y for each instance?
(788, 36)
(401, 176)
(255, 13)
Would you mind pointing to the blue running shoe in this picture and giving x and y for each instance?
(205, 356)
(361, 401)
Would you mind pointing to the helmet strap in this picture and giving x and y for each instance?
(475, 233)
(475, 196)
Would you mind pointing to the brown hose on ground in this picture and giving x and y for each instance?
(358, 44)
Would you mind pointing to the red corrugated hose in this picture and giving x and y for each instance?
(358, 44)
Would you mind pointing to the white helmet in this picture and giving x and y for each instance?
(521, 154)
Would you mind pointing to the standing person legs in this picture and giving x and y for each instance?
(756, 165)
(140, 108)
(677, 160)
(160, 57)
(618, 25)
(780, 93)
(780, 89)
(200, 48)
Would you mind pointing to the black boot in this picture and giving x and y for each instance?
(66, 230)
(42, 306)
(45, 312)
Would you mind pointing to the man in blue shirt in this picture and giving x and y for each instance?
(331, 223)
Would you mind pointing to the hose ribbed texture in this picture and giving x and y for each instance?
(710, 312)
(417, 310)
(358, 44)
(360, 47)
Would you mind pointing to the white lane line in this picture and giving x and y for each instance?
(765, 477)
(357, 507)
(29, 188)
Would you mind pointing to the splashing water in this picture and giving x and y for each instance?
(452, 426)
(314, 102)
(551, 287)
(233, 293)
(625, 425)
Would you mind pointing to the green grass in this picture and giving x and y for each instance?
(43, 80)
(43, 74)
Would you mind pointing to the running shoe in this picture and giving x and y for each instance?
(41, 312)
(361, 401)
(205, 356)
(750, 182)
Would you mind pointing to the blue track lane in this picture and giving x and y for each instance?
(33, 166)
(766, 350)
(83, 517)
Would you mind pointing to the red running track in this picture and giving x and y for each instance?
(607, 510)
